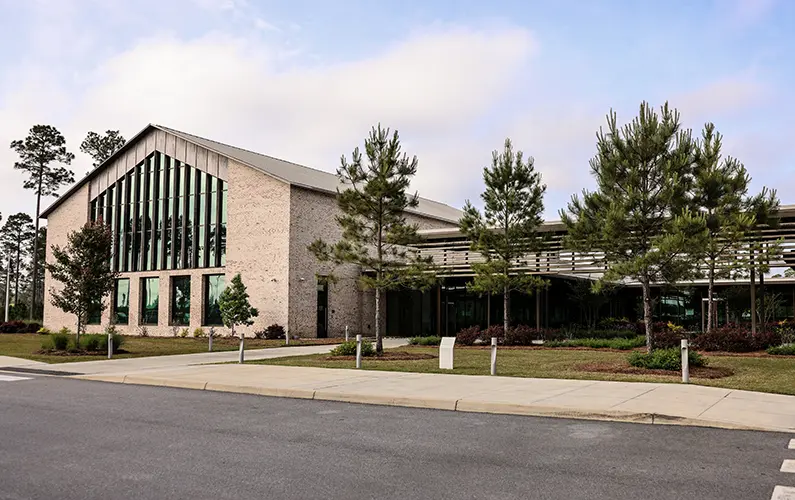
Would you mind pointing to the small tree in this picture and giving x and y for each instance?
(83, 267)
(507, 231)
(43, 146)
(639, 217)
(236, 309)
(15, 235)
(373, 221)
(102, 147)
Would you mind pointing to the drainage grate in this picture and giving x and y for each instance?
(36, 371)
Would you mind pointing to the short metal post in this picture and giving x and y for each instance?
(286, 338)
(494, 355)
(358, 351)
(210, 341)
(242, 338)
(685, 363)
(346, 333)
(110, 345)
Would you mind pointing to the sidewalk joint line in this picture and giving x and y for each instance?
(715, 403)
(634, 397)
(565, 392)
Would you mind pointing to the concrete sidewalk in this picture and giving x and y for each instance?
(621, 401)
(176, 361)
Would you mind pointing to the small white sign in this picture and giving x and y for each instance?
(446, 353)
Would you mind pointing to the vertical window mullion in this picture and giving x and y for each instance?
(217, 222)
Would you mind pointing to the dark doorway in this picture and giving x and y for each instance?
(322, 310)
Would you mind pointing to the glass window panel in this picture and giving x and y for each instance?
(140, 181)
(191, 206)
(161, 178)
(222, 232)
(149, 300)
(200, 244)
(213, 286)
(202, 208)
(177, 247)
(136, 252)
(147, 257)
(94, 316)
(192, 175)
(182, 179)
(121, 301)
(211, 247)
(180, 300)
(214, 184)
(168, 249)
(223, 206)
(188, 247)
(213, 207)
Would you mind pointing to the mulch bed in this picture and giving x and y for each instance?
(387, 356)
(53, 352)
(707, 372)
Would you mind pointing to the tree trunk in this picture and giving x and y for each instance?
(16, 277)
(763, 314)
(710, 303)
(753, 301)
(506, 306)
(79, 327)
(647, 314)
(379, 343)
(36, 247)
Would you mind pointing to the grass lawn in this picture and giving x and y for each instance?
(766, 374)
(23, 345)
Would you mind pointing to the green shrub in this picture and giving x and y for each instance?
(349, 349)
(615, 343)
(118, 340)
(65, 331)
(665, 359)
(199, 333)
(44, 331)
(183, 333)
(91, 342)
(782, 350)
(59, 341)
(425, 340)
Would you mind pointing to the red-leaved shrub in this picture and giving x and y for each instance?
(468, 336)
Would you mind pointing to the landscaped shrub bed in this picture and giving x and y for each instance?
(349, 349)
(665, 359)
(782, 350)
(425, 340)
(616, 343)
(735, 338)
(19, 327)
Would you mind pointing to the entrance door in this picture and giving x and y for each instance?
(322, 310)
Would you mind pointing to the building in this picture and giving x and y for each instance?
(189, 213)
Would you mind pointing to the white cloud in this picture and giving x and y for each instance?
(433, 86)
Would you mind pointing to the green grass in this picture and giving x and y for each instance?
(26, 345)
(765, 374)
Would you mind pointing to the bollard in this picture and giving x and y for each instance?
(242, 337)
(210, 341)
(346, 333)
(494, 355)
(286, 338)
(685, 363)
(358, 351)
(110, 345)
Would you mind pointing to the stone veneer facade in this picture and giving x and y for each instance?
(270, 223)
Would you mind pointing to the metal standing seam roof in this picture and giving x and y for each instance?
(291, 173)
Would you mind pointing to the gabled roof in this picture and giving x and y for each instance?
(285, 171)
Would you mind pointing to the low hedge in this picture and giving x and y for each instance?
(782, 350)
(99, 342)
(665, 359)
(425, 340)
(349, 349)
(19, 327)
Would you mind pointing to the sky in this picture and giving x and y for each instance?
(306, 80)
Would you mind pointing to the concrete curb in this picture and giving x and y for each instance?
(449, 404)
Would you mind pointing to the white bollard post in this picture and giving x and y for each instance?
(358, 351)
(110, 345)
(240, 359)
(286, 338)
(494, 355)
(210, 340)
(685, 363)
(346, 333)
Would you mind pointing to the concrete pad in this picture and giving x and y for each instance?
(11, 361)
(783, 493)
(788, 466)
(792, 444)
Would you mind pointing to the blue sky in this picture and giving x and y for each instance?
(304, 80)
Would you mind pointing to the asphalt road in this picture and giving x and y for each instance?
(68, 439)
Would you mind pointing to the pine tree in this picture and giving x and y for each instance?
(83, 267)
(764, 209)
(721, 194)
(373, 221)
(639, 216)
(507, 230)
(236, 309)
(43, 146)
(15, 235)
(102, 147)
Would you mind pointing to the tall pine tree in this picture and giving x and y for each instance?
(638, 217)
(373, 221)
(102, 147)
(15, 235)
(507, 230)
(83, 268)
(43, 147)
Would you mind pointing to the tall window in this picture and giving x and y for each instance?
(165, 214)
(121, 301)
(94, 315)
(213, 286)
(149, 300)
(180, 300)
